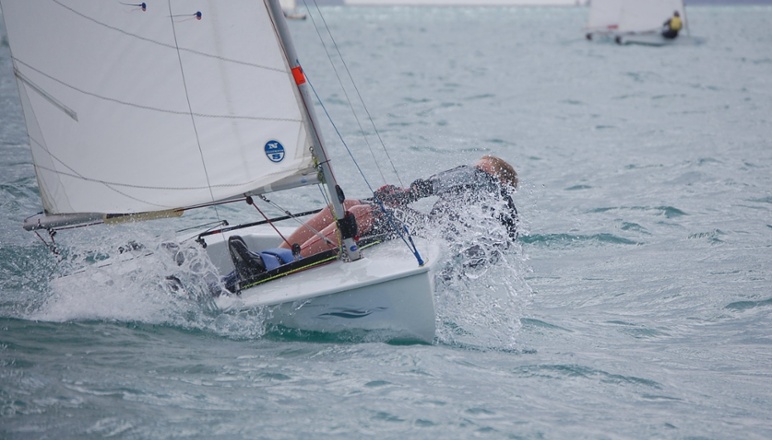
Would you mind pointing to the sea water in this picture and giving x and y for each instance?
(636, 304)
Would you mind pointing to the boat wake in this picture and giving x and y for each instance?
(170, 284)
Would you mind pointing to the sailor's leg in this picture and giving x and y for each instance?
(328, 236)
(315, 224)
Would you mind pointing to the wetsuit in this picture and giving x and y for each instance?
(457, 189)
(464, 186)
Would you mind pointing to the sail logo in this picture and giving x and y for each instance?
(274, 150)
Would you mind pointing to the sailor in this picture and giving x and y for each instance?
(671, 26)
(487, 184)
(469, 198)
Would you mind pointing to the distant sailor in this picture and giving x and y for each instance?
(671, 26)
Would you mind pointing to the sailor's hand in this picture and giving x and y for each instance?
(393, 195)
(421, 188)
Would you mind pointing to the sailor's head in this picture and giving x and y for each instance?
(498, 168)
(676, 14)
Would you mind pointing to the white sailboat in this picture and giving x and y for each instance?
(146, 110)
(633, 21)
(290, 8)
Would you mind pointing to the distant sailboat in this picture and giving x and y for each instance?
(290, 9)
(138, 111)
(634, 21)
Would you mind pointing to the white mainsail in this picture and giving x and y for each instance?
(624, 16)
(288, 5)
(135, 108)
(604, 14)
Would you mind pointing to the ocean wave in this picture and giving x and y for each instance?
(572, 240)
(745, 305)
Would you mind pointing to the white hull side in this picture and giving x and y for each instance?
(655, 39)
(386, 291)
(646, 39)
(399, 308)
(643, 38)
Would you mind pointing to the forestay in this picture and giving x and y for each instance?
(137, 108)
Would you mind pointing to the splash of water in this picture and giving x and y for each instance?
(123, 279)
(481, 290)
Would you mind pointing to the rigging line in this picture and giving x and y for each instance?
(325, 195)
(409, 240)
(345, 92)
(251, 201)
(340, 136)
(225, 227)
(409, 244)
(359, 95)
(190, 107)
(328, 201)
(210, 226)
(294, 218)
(51, 246)
(79, 226)
(288, 215)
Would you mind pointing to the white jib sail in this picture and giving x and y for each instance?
(146, 107)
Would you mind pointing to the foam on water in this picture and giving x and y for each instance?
(109, 279)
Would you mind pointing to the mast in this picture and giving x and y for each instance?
(686, 22)
(346, 222)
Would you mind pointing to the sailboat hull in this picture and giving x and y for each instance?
(656, 39)
(385, 292)
(396, 309)
(643, 38)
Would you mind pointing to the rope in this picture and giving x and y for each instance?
(409, 240)
(51, 246)
(399, 231)
(294, 217)
(284, 239)
(356, 89)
